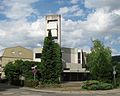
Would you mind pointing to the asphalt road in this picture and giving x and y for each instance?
(6, 90)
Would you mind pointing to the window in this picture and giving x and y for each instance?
(78, 57)
(20, 53)
(13, 52)
(66, 68)
(55, 37)
(38, 55)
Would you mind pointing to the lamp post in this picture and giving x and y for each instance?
(34, 71)
(114, 73)
(0, 71)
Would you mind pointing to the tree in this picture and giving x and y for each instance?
(57, 57)
(51, 61)
(99, 61)
(13, 70)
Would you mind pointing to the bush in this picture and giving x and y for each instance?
(117, 82)
(31, 83)
(96, 85)
(3, 80)
(16, 82)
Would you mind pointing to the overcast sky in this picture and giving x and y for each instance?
(22, 22)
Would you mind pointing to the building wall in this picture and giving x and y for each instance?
(70, 60)
(74, 67)
(66, 55)
(15, 53)
(74, 55)
(37, 50)
(69, 55)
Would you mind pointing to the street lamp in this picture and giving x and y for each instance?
(114, 73)
(34, 70)
(1, 69)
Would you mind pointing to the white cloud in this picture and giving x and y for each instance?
(98, 21)
(2, 33)
(74, 1)
(18, 9)
(112, 4)
(37, 28)
(22, 33)
(18, 30)
(63, 10)
(74, 10)
(79, 13)
(103, 23)
(115, 52)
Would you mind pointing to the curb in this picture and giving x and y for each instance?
(99, 92)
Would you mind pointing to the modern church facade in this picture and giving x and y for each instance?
(73, 59)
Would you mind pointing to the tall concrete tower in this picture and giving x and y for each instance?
(53, 24)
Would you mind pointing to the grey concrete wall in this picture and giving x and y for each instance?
(69, 55)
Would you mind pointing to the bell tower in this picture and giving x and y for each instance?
(53, 24)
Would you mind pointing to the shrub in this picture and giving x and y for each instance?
(16, 82)
(3, 80)
(96, 85)
(31, 83)
(14, 70)
(105, 86)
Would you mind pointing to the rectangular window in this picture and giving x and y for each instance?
(54, 37)
(38, 55)
(52, 20)
(78, 57)
(66, 68)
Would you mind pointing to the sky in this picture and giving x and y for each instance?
(22, 22)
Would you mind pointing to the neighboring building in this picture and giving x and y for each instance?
(15, 53)
(53, 24)
(116, 58)
(12, 54)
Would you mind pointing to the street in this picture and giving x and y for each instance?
(6, 90)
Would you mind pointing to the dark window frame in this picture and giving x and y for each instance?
(38, 55)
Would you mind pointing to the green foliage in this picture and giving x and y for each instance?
(99, 62)
(51, 61)
(96, 85)
(13, 70)
(117, 64)
(31, 83)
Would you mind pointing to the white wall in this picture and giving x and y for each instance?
(36, 50)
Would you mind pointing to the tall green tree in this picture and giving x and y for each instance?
(99, 61)
(51, 61)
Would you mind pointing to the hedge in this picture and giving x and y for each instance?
(96, 85)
